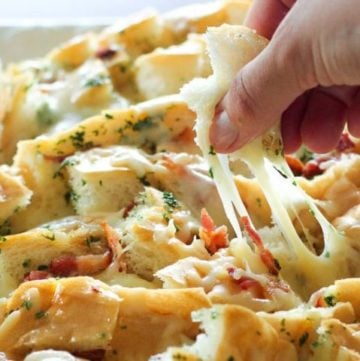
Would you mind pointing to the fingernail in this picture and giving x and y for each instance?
(223, 133)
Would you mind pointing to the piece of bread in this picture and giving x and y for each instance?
(198, 17)
(14, 195)
(236, 333)
(233, 333)
(49, 314)
(157, 232)
(107, 179)
(226, 282)
(36, 249)
(165, 71)
(49, 200)
(144, 124)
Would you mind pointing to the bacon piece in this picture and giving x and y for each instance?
(105, 53)
(70, 265)
(274, 283)
(64, 266)
(312, 168)
(266, 256)
(186, 136)
(93, 263)
(246, 283)
(93, 355)
(128, 209)
(213, 237)
(295, 164)
(55, 159)
(37, 275)
(114, 244)
(320, 302)
(178, 169)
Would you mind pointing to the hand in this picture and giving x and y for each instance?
(308, 76)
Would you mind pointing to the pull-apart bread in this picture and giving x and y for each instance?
(125, 237)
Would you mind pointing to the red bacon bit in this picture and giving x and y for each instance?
(93, 355)
(129, 208)
(186, 136)
(312, 168)
(274, 284)
(93, 263)
(206, 221)
(345, 144)
(295, 164)
(320, 302)
(105, 53)
(37, 275)
(178, 169)
(55, 159)
(213, 237)
(95, 289)
(247, 284)
(64, 266)
(114, 244)
(266, 256)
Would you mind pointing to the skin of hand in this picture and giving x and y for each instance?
(308, 76)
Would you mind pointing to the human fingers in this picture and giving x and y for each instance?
(291, 124)
(265, 15)
(325, 117)
(301, 55)
(354, 116)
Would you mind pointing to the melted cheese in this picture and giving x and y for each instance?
(230, 48)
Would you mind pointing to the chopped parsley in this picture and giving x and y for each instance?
(108, 116)
(45, 115)
(214, 314)
(26, 263)
(143, 124)
(122, 68)
(306, 156)
(330, 300)
(303, 338)
(78, 140)
(211, 172)
(40, 314)
(211, 150)
(90, 240)
(96, 81)
(27, 304)
(170, 200)
(144, 180)
(71, 196)
(50, 236)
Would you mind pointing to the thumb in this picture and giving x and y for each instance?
(261, 91)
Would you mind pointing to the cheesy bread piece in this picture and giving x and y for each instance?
(232, 333)
(14, 195)
(165, 71)
(92, 72)
(39, 161)
(68, 247)
(157, 232)
(49, 314)
(108, 179)
(235, 332)
(226, 281)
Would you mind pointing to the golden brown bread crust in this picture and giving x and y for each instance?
(81, 314)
